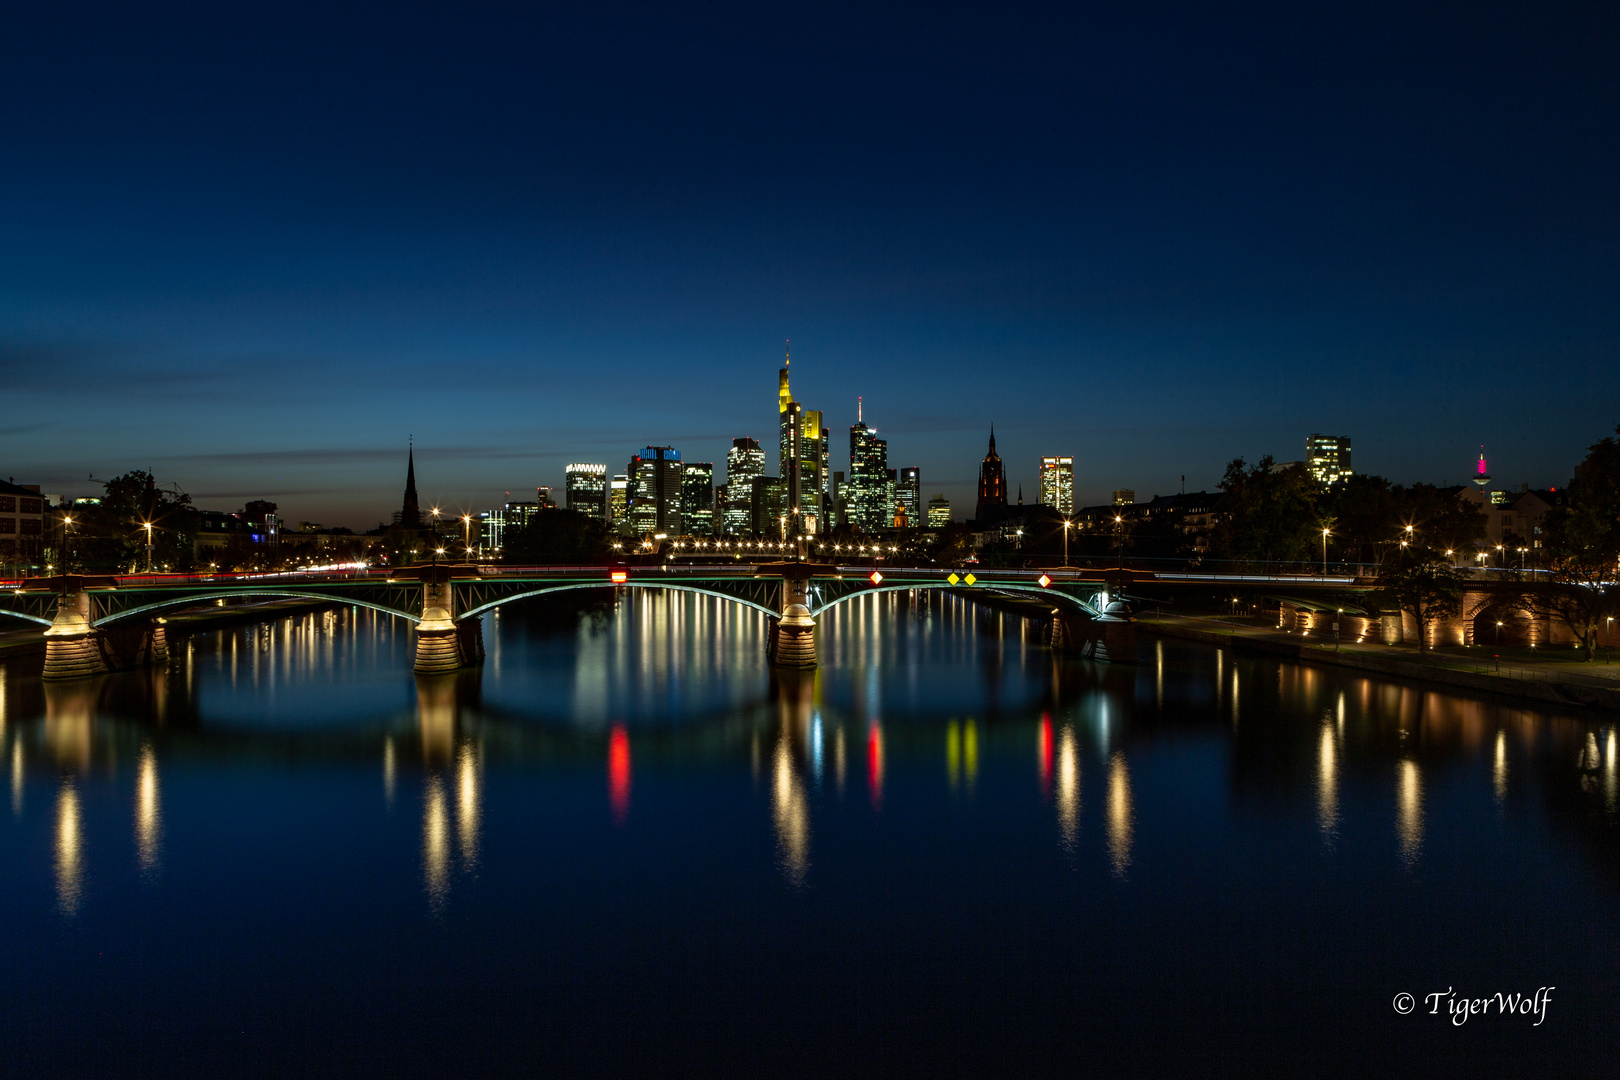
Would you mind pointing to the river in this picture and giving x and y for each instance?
(624, 845)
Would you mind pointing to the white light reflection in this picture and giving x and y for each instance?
(790, 812)
(1068, 788)
(435, 843)
(1409, 811)
(1121, 815)
(69, 849)
(148, 813)
(16, 777)
(1327, 785)
(469, 799)
(1499, 769)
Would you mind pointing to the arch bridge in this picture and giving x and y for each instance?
(95, 624)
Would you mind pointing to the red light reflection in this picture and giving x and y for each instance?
(619, 774)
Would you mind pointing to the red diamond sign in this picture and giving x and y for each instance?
(874, 577)
(1044, 580)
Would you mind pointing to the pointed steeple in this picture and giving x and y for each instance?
(992, 440)
(1020, 494)
(410, 514)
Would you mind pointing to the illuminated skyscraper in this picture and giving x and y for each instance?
(744, 461)
(1057, 484)
(697, 498)
(868, 490)
(1328, 457)
(939, 512)
(618, 503)
(992, 505)
(586, 490)
(908, 495)
(655, 493)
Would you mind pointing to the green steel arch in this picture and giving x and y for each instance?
(25, 615)
(1037, 590)
(283, 594)
(632, 584)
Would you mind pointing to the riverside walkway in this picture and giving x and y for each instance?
(1541, 675)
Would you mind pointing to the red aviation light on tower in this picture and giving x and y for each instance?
(875, 578)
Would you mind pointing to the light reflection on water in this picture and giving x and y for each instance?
(686, 754)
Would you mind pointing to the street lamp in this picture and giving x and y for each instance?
(1325, 534)
(147, 525)
(1067, 524)
(466, 521)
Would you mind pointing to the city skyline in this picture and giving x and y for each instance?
(238, 264)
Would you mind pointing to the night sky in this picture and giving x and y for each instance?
(254, 248)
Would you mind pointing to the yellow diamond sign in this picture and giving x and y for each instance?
(1044, 580)
(970, 579)
(953, 579)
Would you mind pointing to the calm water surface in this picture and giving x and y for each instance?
(623, 845)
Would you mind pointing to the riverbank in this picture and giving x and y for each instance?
(1562, 682)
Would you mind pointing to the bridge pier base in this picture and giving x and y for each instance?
(72, 645)
(442, 643)
(793, 642)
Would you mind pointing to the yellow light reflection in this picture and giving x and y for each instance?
(840, 765)
(435, 843)
(1068, 788)
(390, 770)
(148, 812)
(953, 754)
(69, 849)
(1327, 785)
(1121, 815)
(1611, 788)
(1499, 768)
(16, 777)
(468, 802)
(790, 812)
(1409, 811)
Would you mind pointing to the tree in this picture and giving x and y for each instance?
(556, 536)
(1266, 514)
(1583, 549)
(1421, 582)
(112, 536)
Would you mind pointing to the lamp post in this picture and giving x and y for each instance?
(1119, 539)
(466, 523)
(147, 525)
(1067, 524)
(67, 543)
(1325, 534)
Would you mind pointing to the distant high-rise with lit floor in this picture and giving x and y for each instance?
(744, 461)
(1057, 484)
(586, 489)
(1328, 457)
(939, 512)
(868, 488)
(908, 495)
(697, 498)
(655, 492)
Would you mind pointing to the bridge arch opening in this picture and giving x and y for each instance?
(649, 586)
(179, 602)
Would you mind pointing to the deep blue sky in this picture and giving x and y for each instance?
(254, 247)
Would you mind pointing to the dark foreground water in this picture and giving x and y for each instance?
(624, 847)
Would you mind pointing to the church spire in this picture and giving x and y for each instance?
(410, 514)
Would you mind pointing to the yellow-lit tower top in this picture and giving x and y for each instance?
(784, 396)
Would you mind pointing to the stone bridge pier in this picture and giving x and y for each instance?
(75, 647)
(443, 643)
(794, 634)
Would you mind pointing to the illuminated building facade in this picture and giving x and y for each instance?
(744, 461)
(1057, 484)
(656, 475)
(908, 495)
(697, 498)
(618, 502)
(939, 512)
(867, 492)
(1328, 457)
(585, 489)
